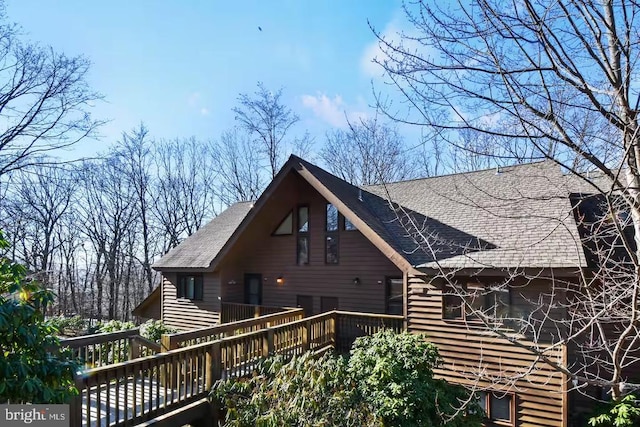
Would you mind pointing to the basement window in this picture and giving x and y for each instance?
(190, 286)
(499, 407)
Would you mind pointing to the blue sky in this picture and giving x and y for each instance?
(178, 66)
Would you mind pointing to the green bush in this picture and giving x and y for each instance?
(394, 373)
(71, 326)
(154, 329)
(303, 392)
(114, 326)
(114, 353)
(387, 381)
(623, 413)
(31, 368)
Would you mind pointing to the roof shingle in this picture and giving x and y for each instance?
(202, 247)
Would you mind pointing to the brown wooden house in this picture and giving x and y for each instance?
(313, 240)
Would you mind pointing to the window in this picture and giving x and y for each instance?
(498, 301)
(451, 304)
(331, 237)
(302, 247)
(332, 217)
(394, 295)
(348, 225)
(332, 249)
(286, 226)
(190, 286)
(303, 219)
(493, 300)
(498, 407)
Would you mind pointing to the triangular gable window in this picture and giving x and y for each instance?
(286, 226)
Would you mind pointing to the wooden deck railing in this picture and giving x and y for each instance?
(233, 312)
(140, 389)
(109, 347)
(197, 336)
(144, 388)
(351, 325)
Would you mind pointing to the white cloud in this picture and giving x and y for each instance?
(331, 110)
(327, 109)
(195, 102)
(393, 34)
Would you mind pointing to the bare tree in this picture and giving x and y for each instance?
(134, 150)
(555, 80)
(268, 121)
(44, 99)
(40, 200)
(184, 190)
(108, 217)
(369, 152)
(235, 157)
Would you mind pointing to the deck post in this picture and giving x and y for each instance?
(134, 348)
(306, 332)
(213, 364)
(75, 404)
(214, 373)
(333, 325)
(267, 343)
(208, 368)
(164, 347)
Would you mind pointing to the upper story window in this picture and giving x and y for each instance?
(332, 217)
(348, 225)
(286, 226)
(331, 235)
(302, 246)
(466, 302)
(303, 219)
(190, 286)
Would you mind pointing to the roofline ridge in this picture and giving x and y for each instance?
(517, 165)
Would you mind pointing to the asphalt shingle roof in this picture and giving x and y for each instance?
(520, 216)
(202, 247)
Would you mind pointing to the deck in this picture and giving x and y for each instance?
(188, 364)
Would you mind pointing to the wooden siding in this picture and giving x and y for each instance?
(258, 251)
(472, 356)
(188, 314)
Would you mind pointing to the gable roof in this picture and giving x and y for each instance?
(198, 250)
(519, 217)
(149, 308)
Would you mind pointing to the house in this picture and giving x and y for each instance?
(315, 241)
